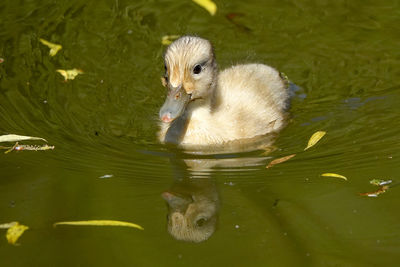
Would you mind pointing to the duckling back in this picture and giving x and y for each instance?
(250, 100)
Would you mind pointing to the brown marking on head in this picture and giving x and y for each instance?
(188, 82)
(175, 78)
(164, 81)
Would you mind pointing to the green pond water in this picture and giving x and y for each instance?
(344, 57)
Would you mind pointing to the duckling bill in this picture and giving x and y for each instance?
(218, 107)
(175, 104)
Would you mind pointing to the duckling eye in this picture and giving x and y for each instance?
(197, 69)
(200, 222)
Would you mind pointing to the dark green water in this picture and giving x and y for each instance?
(343, 54)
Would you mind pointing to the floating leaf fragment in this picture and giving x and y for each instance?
(33, 148)
(383, 186)
(334, 175)
(1, 60)
(18, 147)
(54, 48)
(280, 160)
(101, 223)
(232, 18)
(314, 139)
(381, 190)
(106, 176)
(267, 150)
(379, 182)
(16, 138)
(209, 5)
(15, 230)
(14, 233)
(7, 225)
(168, 39)
(70, 74)
(9, 149)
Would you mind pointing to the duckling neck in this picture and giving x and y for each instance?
(210, 99)
(177, 128)
(213, 96)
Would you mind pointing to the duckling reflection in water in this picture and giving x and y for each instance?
(193, 200)
(204, 107)
(192, 209)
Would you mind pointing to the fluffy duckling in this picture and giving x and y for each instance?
(204, 107)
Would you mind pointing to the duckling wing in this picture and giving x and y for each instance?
(251, 99)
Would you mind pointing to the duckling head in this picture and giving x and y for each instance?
(190, 75)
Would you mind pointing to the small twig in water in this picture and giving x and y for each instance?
(11, 148)
(18, 147)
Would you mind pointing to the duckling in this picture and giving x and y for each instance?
(204, 107)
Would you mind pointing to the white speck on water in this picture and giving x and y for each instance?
(106, 176)
(229, 183)
(45, 101)
(237, 226)
(130, 31)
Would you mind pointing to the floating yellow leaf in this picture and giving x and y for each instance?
(209, 5)
(54, 48)
(168, 39)
(314, 139)
(15, 138)
(15, 230)
(70, 74)
(334, 175)
(101, 223)
(280, 160)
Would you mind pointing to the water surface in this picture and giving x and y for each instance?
(343, 55)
